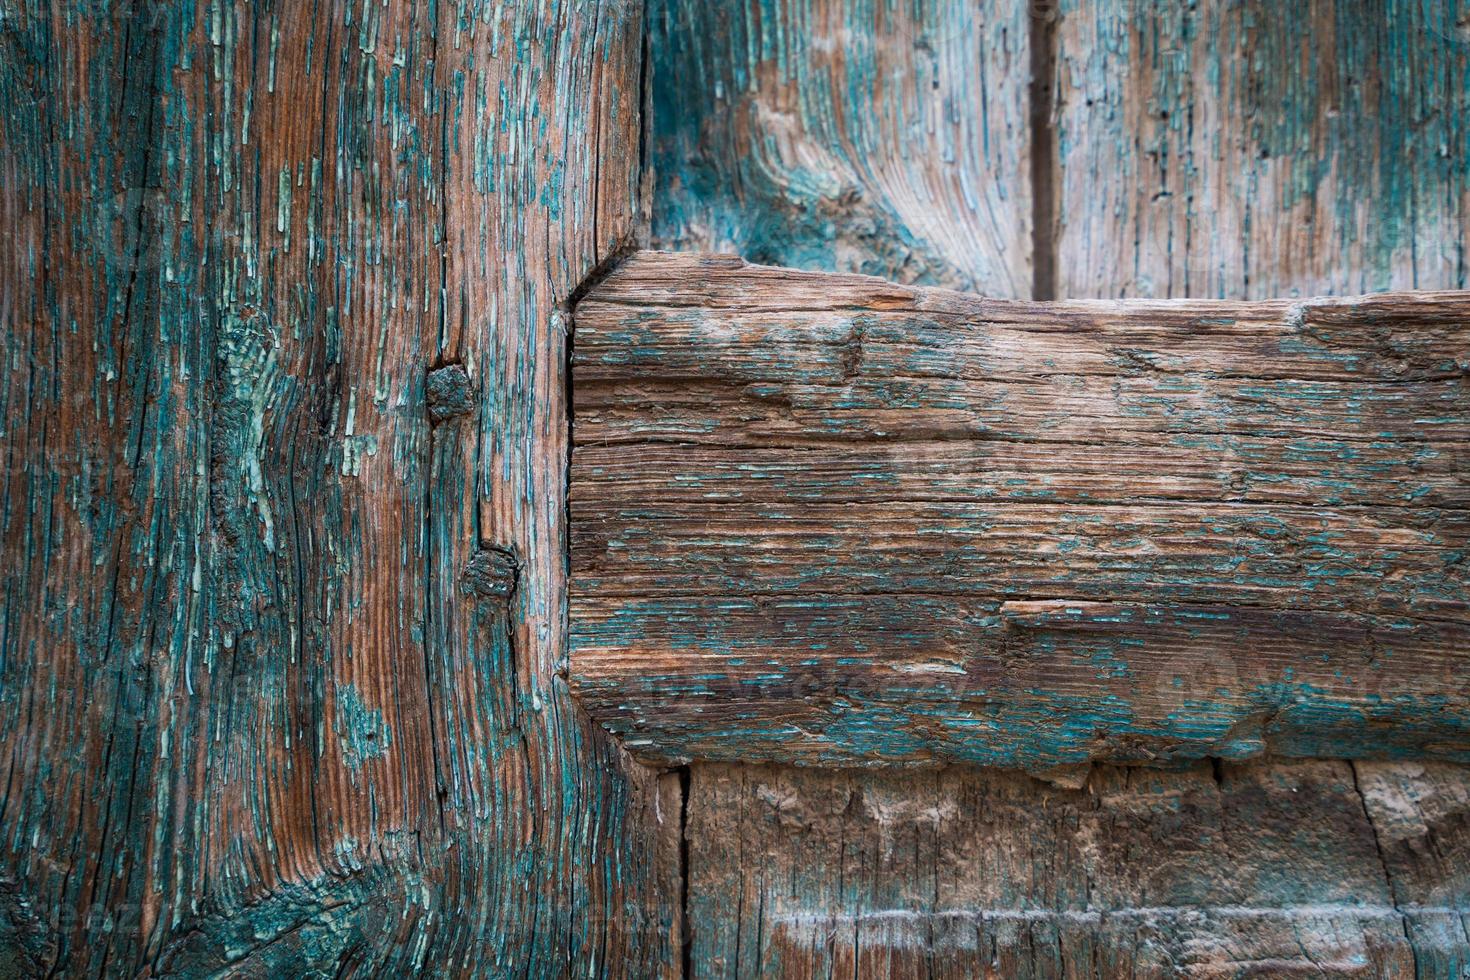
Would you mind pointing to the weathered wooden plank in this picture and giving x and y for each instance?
(284, 430)
(1257, 869)
(870, 136)
(1261, 149)
(1366, 561)
(834, 520)
(846, 679)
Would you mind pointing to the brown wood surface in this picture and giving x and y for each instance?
(282, 629)
(283, 505)
(835, 520)
(1258, 149)
(1336, 128)
(867, 136)
(1262, 869)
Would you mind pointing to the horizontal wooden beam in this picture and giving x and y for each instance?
(834, 520)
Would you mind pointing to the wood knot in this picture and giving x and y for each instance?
(491, 574)
(449, 393)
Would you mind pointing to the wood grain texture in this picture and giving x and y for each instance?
(1262, 869)
(285, 447)
(883, 137)
(1420, 814)
(834, 520)
(1337, 132)
(1254, 149)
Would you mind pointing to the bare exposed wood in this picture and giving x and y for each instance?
(285, 443)
(1420, 815)
(1259, 869)
(831, 519)
(851, 135)
(1251, 149)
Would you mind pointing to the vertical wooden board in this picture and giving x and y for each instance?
(882, 136)
(1227, 149)
(1420, 813)
(1265, 868)
(539, 191)
(45, 375)
(279, 694)
(669, 863)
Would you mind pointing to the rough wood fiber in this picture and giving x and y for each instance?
(833, 520)
(283, 503)
(887, 137)
(1157, 209)
(1253, 149)
(1420, 815)
(1265, 869)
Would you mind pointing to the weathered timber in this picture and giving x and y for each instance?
(830, 519)
(848, 135)
(1271, 869)
(1324, 151)
(1211, 149)
(283, 508)
(1255, 149)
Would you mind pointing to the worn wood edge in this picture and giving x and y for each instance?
(658, 278)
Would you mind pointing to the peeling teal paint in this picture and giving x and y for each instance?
(363, 732)
(844, 138)
(780, 557)
(277, 740)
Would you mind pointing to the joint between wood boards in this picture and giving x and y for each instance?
(567, 312)
(1388, 877)
(686, 936)
(646, 176)
(1041, 93)
(620, 253)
